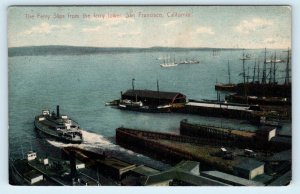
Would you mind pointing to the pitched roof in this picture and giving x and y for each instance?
(231, 179)
(186, 177)
(151, 94)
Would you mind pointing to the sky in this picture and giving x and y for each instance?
(147, 26)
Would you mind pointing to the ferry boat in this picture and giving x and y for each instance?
(60, 127)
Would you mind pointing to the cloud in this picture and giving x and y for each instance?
(205, 30)
(117, 21)
(171, 23)
(45, 28)
(134, 33)
(93, 29)
(269, 41)
(106, 23)
(248, 26)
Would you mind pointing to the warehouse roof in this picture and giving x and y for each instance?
(282, 156)
(145, 170)
(285, 179)
(186, 177)
(152, 94)
(280, 139)
(248, 164)
(186, 165)
(230, 179)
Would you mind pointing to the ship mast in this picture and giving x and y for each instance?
(270, 72)
(287, 73)
(157, 85)
(243, 59)
(264, 68)
(248, 75)
(174, 58)
(274, 69)
(244, 75)
(258, 70)
(253, 79)
(132, 83)
(228, 67)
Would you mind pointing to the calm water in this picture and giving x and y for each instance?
(82, 84)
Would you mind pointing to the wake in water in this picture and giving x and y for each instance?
(98, 143)
(93, 141)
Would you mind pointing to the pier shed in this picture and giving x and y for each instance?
(114, 167)
(150, 97)
(249, 168)
(229, 179)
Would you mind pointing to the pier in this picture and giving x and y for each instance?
(218, 150)
(222, 109)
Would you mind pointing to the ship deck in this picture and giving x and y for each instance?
(216, 105)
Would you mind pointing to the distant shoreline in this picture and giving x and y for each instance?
(81, 50)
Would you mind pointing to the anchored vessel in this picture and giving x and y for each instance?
(58, 126)
(264, 85)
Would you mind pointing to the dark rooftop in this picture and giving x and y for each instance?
(32, 174)
(186, 165)
(152, 94)
(116, 164)
(265, 129)
(278, 139)
(282, 156)
(263, 178)
(231, 179)
(248, 164)
(144, 170)
(186, 177)
(285, 179)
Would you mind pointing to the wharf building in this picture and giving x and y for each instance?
(154, 98)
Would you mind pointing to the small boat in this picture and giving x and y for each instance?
(60, 127)
(130, 103)
(189, 62)
(140, 107)
(275, 61)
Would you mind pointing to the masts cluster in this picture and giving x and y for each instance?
(269, 74)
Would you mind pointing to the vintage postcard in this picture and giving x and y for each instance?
(150, 95)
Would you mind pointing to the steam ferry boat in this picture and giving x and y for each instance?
(60, 127)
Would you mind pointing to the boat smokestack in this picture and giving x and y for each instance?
(57, 110)
(73, 164)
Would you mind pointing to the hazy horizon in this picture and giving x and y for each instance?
(149, 47)
(248, 27)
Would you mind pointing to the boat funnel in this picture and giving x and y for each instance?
(57, 110)
(72, 158)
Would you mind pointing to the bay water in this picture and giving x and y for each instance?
(82, 84)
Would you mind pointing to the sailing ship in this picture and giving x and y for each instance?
(168, 63)
(189, 61)
(229, 87)
(263, 90)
